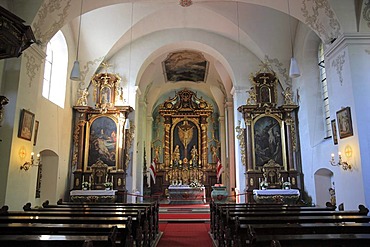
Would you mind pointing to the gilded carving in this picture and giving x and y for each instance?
(251, 182)
(119, 182)
(240, 137)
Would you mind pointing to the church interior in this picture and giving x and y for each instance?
(185, 100)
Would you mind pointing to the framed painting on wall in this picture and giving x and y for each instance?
(344, 122)
(334, 131)
(26, 125)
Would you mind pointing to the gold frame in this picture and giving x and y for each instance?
(344, 120)
(119, 138)
(26, 122)
(282, 140)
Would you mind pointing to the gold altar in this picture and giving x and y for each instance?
(182, 149)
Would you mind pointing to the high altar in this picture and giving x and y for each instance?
(101, 142)
(268, 142)
(185, 145)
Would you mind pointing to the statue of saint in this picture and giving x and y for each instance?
(176, 154)
(194, 155)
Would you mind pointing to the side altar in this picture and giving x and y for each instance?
(186, 195)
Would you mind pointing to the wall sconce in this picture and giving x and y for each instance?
(27, 164)
(344, 164)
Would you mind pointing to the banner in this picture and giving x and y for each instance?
(152, 171)
(220, 170)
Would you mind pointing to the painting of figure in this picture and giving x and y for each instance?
(267, 141)
(185, 66)
(103, 141)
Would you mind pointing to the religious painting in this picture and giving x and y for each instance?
(334, 132)
(26, 125)
(267, 141)
(102, 141)
(344, 122)
(185, 66)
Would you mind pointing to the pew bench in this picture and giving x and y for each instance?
(40, 234)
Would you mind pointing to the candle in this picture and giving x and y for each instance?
(32, 154)
(106, 178)
(90, 179)
(112, 179)
(332, 155)
(83, 178)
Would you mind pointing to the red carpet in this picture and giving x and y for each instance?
(184, 234)
(183, 216)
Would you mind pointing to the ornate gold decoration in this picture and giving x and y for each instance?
(119, 182)
(251, 182)
(106, 85)
(240, 137)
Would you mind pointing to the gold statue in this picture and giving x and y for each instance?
(185, 134)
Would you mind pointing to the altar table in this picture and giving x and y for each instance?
(93, 195)
(187, 195)
(290, 196)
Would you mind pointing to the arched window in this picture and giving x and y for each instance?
(324, 90)
(55, 71)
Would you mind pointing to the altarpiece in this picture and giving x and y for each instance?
(185, 144)
(269, 141)
(100, 142)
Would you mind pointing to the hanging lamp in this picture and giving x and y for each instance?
(76, 72)
(294, 71)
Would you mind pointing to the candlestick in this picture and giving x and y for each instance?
(83, 178)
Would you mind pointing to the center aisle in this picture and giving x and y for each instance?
(185, 234)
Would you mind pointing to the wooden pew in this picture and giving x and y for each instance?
(153, 210)
(142, 235)
(301, 234)
(52, 234)
(224, 227)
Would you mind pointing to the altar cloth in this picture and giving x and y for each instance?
(187, 195)
(93, 195)
(290, 196)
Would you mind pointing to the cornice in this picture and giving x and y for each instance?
(345, 40)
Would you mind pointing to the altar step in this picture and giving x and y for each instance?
(184, 213)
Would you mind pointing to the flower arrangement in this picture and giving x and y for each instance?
(108, 185)
(195, 184)
(264, 184)
(286, 185)
(85, 185)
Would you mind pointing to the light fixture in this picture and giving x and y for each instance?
(27, 165)
(127, 124)
(242, 124)
(342, 163)
(294, 71)
(76, 72)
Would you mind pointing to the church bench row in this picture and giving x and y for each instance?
(318, 234)
(149, 222)
(51, 234)
(141, 228)
(151, 208)
(229, 218)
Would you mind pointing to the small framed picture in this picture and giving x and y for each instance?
(26, 125)
(344, 121)
(36, 131)
(334, 132)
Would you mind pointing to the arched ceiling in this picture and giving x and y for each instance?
(254, 27)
